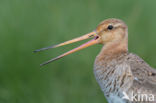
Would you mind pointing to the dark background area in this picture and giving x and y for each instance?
(26, 25)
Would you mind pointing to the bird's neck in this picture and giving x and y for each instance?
(113, 49)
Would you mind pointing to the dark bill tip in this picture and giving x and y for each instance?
(38, 50)
(51, 60)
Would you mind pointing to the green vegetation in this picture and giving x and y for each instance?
(26, 25)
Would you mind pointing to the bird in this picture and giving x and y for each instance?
(122, 76)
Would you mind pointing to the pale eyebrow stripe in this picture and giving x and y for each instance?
(116, 25)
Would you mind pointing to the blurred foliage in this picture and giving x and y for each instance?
(26, 25)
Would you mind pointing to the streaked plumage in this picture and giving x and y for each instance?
(117, 71)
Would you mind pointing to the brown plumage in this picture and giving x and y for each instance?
(118, 72)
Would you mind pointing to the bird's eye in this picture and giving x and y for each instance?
(110, 27)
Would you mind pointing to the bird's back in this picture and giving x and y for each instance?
(125, 74)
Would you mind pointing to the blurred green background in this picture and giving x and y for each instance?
(26, 25)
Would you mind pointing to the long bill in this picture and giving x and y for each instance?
(89, 35)
(89, 43)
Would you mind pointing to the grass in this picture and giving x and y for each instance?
(26, 25)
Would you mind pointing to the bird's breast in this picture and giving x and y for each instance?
(114, 76)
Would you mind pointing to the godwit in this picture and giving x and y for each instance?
(123, 77)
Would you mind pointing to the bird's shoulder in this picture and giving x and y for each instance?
(143, 73)
(138, 66)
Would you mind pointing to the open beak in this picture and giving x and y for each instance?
(85, 45)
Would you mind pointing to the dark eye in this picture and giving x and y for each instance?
(110, 27)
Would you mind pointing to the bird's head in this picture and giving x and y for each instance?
(108, 31)
(111, 30)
